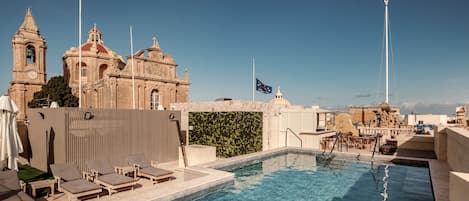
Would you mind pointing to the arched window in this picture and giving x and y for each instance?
(83, 70)
(154, 100)
(30, 54)
(102, 69)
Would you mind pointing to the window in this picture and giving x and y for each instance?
(102, 70)
(30, 54)
(154, 100)
(83, 70)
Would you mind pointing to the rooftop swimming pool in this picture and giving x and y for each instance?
(296, 176)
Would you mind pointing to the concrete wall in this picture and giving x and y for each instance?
(458, 149)
(459, 186)
(416, 142)
(276, 118)
(269, 115)
(63, 135)
(452, 145)
(413, 119)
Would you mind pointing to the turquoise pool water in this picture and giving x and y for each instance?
(305, 177)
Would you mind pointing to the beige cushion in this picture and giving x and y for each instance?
(156, 172)
(115, 179)
(103, 167)
(139, 159)
(79, 186)
(66, 171)
(19, 196)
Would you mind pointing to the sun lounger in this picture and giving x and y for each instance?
(10, 189)
(71, 182)
(148, 169)
(104, 174)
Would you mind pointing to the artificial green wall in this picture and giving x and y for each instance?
(233, 133)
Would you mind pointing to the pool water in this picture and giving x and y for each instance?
(305, 177)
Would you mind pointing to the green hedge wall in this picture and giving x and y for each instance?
(233, 133)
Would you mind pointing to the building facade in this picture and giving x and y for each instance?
(107, 80)
(29, 63)
(384, 116)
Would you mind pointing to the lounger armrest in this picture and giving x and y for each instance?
(89, 175)
(23, 186)
(57, 180)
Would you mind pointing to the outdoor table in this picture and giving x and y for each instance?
(49, 183)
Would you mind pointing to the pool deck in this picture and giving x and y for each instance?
(196, 180)
(187, 182)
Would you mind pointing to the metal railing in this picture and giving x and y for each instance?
(386, 131)
(296, 135)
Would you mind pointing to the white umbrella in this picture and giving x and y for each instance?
(10, 142)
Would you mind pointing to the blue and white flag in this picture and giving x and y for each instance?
(261, 87)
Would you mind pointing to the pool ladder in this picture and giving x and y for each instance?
(377, 139)
(338, 137)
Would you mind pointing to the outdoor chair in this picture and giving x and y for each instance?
(72, 183)
(104, 174)
(10, 187)
(148, 169)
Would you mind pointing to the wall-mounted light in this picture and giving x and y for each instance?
(171, 116)
(88, 115)
(42, 115)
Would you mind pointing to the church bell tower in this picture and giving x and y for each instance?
(29, 63)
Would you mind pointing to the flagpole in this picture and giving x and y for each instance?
(132, 64)
(79, 54)
(253, 79)
(386, 2)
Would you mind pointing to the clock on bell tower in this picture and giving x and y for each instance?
(29, 63)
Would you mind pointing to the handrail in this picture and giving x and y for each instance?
(378, 135)
(181, 141)
(296, 135)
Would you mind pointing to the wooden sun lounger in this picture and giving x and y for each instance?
(145, 168)
(10, 189)
(104, 174)
(72, 183)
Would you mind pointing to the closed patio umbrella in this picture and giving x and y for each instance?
(10, 142)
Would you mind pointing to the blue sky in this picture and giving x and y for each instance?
(326, 52)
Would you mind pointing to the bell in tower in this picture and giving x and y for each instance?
(29, 63)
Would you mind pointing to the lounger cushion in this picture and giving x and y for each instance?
(66, 171)
(18, 196)
(115, 179)
(79, 186)
(103, 167)
(9, 181)
(156, 172)
(10, 189)
(139, 159)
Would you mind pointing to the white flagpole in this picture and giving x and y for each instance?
(253, 79)
(79, 54)
(386, 2)
(132, 64)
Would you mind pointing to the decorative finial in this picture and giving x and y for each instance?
(155, 42)
(94, 26)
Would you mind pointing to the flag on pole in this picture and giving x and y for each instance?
(263, 88)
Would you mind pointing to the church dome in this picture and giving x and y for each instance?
(385, 107)
(95, 42)
(279, 100)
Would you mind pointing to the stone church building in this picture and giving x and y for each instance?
(106, 78)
